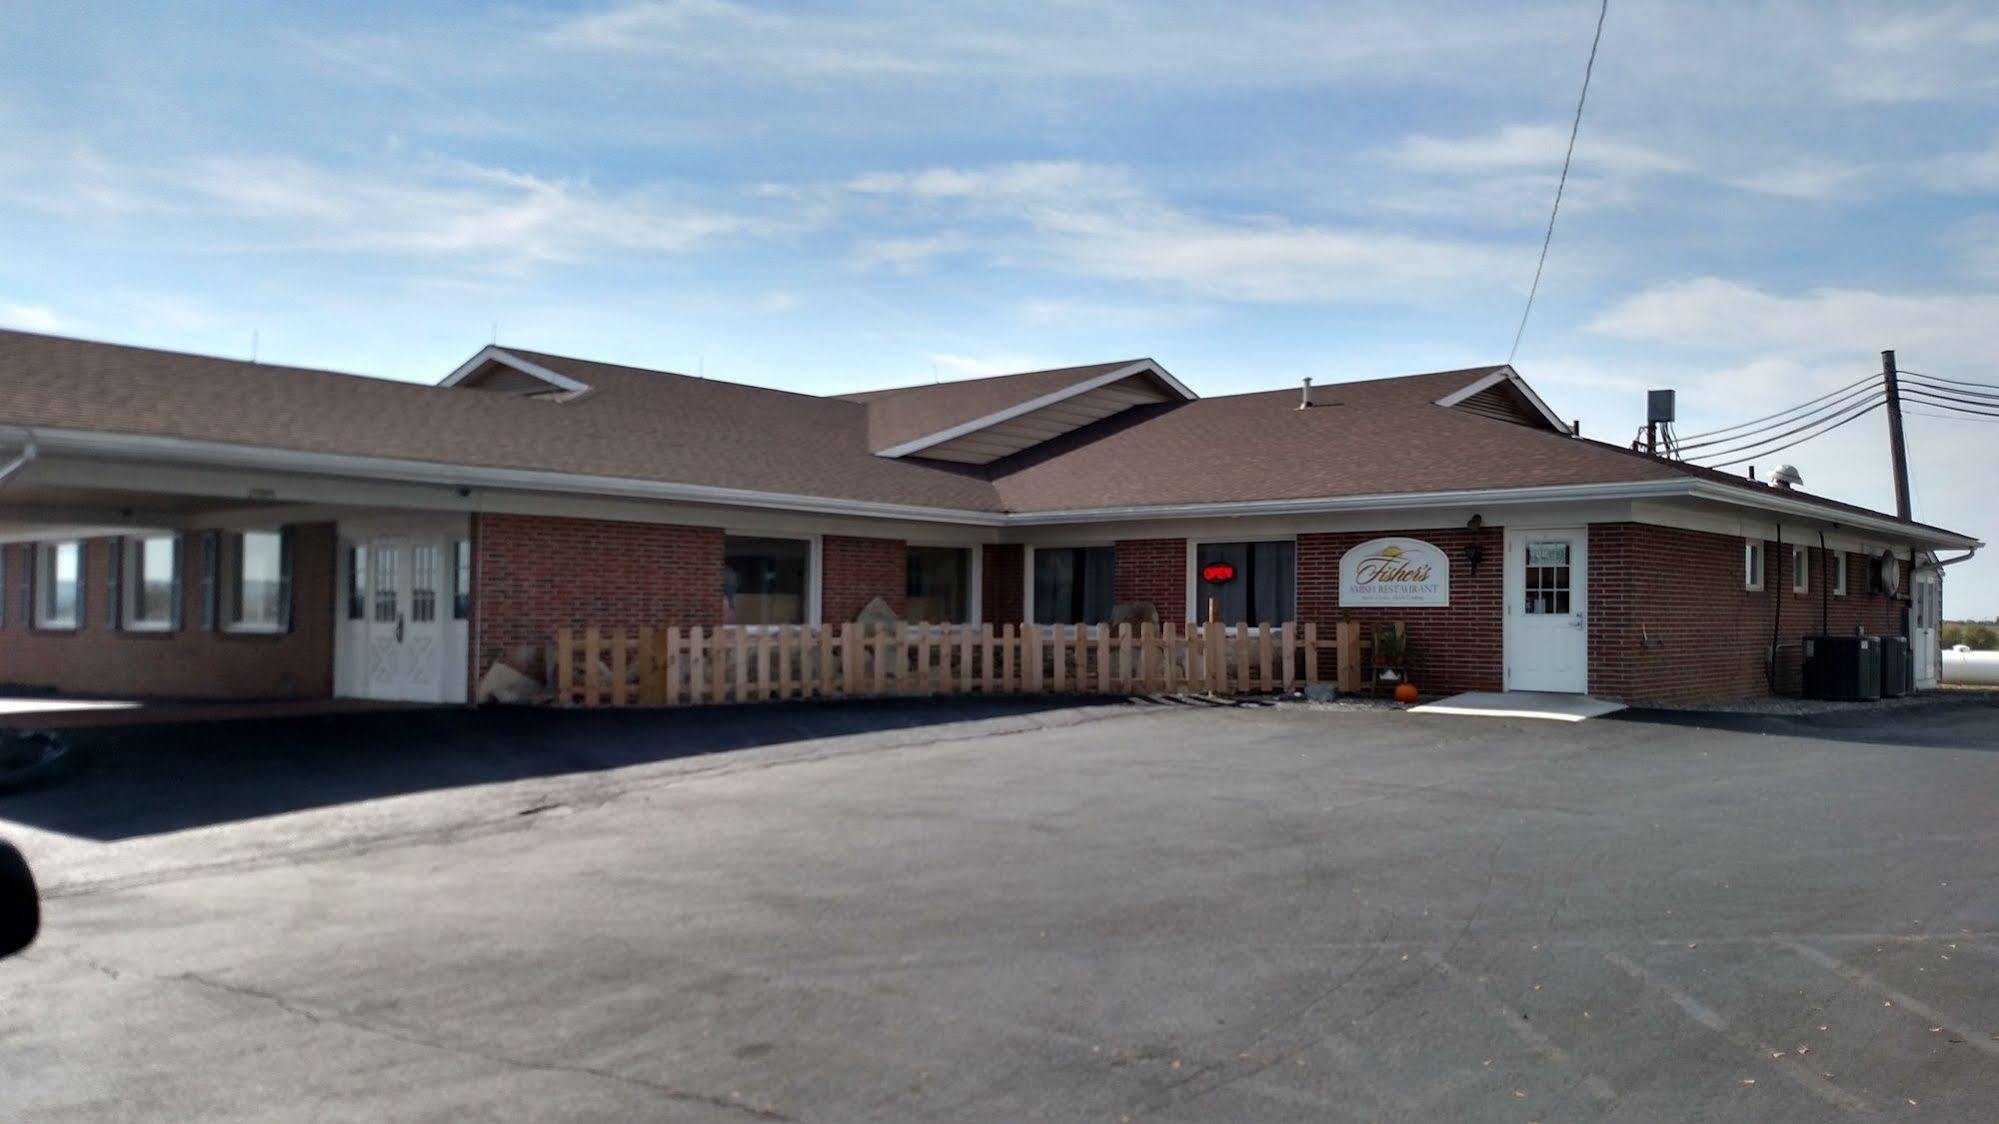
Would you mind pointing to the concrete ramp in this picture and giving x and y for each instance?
(1521, 704)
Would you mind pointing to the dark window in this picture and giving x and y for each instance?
(763, 580)
(461, 579)
(940, 579)
(357, 583)
(1261, 589)
(1073, 584)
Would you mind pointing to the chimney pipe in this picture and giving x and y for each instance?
(1305, 396)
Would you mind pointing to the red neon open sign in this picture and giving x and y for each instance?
(1218, 573)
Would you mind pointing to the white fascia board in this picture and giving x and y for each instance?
(1881, 525)
(220, 454)
(1622, 490)
(1506, 374)
(494, 353)
(1143, 366)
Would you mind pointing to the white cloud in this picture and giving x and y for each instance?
(458, 210)
(1713, 313)
(1094, 220)
(36, 318)
(907, 255)
(980, 366)
(1516, 147)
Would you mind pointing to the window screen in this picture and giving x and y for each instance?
(1074, 584)
(763, 580)
(939, 585)
(1261, 587)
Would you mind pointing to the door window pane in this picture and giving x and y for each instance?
(1547, 579)
(1074, 584)
(387, 589)
(939, 585)
(461, 579)
(764, 580)
(357, 583)
(423, 584)
(1247, 582)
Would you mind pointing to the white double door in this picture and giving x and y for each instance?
(1547, 609)
(404, 599)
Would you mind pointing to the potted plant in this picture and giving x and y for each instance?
(1391, 646)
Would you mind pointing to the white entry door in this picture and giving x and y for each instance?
(1925, 609)
(406, 649)
(1547, 609)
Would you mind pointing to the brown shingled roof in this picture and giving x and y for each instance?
(1379, 436)
(905, 413)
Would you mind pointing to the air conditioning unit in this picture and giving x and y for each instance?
(1843, 668)
(1897, 667)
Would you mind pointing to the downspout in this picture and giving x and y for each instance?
(1825, 588)
(28, 453)
(1776, 611)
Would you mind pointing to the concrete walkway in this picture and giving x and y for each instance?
(1522, 704)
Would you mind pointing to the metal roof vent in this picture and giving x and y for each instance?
(1787, 477)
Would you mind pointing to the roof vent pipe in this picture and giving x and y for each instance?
(1305, 396)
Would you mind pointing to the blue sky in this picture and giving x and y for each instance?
(828, 197)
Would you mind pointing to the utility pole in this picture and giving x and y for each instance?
(1896, 448)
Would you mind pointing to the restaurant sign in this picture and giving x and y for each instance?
(1395, 571)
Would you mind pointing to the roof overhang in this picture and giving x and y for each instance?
(187, 451)
(495, 354)
(1506, 374)
(1141, 367)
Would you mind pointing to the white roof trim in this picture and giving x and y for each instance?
(224, 454)
(216, 453)
(494, 353)
(1143, 366)
(1506, 374)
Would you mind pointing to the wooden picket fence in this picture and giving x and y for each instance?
(736, 663)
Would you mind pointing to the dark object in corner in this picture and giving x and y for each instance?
(20, 904)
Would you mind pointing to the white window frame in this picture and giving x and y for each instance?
(1194, 615)
(814, 571)
(130, 596)
(1754, 565)
(229, 571)
(974, 574)
(1801, 570)
(1027, 580)
(45, 570)
(1839, 573)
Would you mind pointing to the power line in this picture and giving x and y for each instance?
(1939, 414)
(1967, 395)
(1766, 446)
(1806, 413)
(1960, 382)
(1989, 409)
(1871, 377)
(1575, 127)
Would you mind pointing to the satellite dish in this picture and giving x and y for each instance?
(1891, 572)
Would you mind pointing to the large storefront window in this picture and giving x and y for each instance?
(940, 583)
(764, 580)
(1248, 582)
(1074, 584)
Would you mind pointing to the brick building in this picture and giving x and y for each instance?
(178, 525)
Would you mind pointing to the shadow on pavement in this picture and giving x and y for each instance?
(1948, 721)
(144, 780)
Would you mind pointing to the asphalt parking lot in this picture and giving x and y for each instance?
(1100, 912)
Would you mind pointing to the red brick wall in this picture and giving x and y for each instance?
(190, 663)
(1457, 647)
(1670, 620)
(533, 574)
(1002, 583)
(857, 571)
(1153, 570)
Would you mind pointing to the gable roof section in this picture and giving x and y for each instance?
(496, 368)
(924, 420)
(653, 434)
(1501, 393)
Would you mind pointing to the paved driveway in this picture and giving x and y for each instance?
(1092, 914)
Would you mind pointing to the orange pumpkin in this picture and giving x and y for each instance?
(1406, 693)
